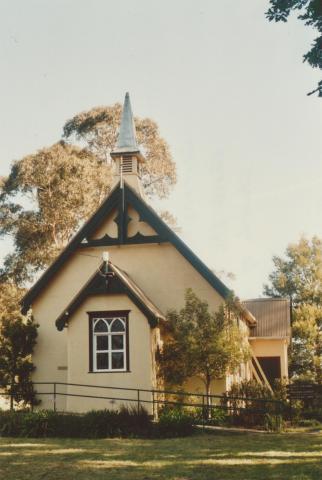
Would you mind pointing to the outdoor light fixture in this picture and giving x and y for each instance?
(105, 257)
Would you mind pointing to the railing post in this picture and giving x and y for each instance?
(54, 397)
(138, 401)
(153, 405)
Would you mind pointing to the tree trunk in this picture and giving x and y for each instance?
(12, 384)
(208, 398)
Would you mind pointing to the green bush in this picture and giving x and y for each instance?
(249, 403)
(93, 424)
(215, 415)
(174, 423)
(309, 422)
(273, 423)
(313, 414)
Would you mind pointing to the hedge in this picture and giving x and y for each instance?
(93, 424)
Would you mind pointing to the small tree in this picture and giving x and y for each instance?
(18, 335)
(202, 344)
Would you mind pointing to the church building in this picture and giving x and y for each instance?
(101, 304)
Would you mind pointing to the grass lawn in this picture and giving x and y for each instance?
(230, 456)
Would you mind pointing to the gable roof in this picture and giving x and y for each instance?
(117, 199)
(109, 279)
(272, 315)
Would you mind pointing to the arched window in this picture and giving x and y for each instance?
(109, 342)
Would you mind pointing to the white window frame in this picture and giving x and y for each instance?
(109, 322)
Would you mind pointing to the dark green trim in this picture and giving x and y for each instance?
(99, 285)
(138, 238)
(147, 214)
(107, 241)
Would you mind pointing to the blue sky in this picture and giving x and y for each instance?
(227, 88)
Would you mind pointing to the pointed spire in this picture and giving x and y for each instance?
(126, 156)
(126, 141)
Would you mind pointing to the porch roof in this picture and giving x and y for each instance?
(273, 317)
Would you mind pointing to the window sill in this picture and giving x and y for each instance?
(113, 371)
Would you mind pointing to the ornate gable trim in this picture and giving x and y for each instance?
(109, 280)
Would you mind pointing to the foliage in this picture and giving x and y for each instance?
(311, 15)
(299, 277)
(174, 423)
(44, 200)
(250, 389)
(202, 344)
(217, 415)
(309, 422)
(18, 335)
(10, 296)
(98, 128)
(273, 423)
(314, 413)
(306, 350)
(249, 403)
(126, 422)
(280, 389)
(93, 424)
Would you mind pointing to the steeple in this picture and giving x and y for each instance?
(126, 141)
(126, 154)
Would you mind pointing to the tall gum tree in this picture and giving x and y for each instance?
(97, 130)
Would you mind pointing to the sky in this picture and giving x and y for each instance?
(227, 88)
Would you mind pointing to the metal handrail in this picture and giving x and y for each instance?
(205, 403)
(166, 392)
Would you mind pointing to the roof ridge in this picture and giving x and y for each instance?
(266, 299)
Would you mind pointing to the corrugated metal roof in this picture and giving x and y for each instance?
(272, 315)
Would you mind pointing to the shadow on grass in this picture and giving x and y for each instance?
(215, 456)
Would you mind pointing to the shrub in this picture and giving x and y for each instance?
(93, 424)
(313, 414)
(309, 422)
(249, 402)
(273, 423)
(174, 423)
(216, 415)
